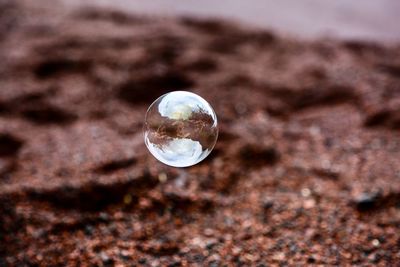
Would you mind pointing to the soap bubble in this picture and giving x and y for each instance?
(180, 129)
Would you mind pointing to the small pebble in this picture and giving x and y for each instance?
(305, 192)
(280, 256)
(105, 258)
(162, 177)
(309, 204)
(125, 254)
(208, 232)
(267, 204)
(375, 243)
(127, 199)
(366, 201)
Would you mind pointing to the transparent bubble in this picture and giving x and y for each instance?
(180, 129)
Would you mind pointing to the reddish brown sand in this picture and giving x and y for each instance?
(306, 169)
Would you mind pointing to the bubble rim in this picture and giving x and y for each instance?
(215, 124)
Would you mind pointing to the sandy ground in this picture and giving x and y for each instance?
(305, 171)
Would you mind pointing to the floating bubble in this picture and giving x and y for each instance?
(180, 129)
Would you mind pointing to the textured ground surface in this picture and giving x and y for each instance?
(306, 169)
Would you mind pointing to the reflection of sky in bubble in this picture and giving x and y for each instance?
(179, 152)
(190, 116)
(181, 105)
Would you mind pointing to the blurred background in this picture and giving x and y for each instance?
(306, 169)
(369, 19)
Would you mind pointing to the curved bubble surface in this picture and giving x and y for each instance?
(180, 129)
